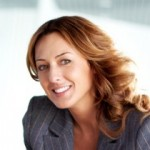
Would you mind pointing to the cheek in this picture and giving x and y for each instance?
(80, 74)
(43, 80)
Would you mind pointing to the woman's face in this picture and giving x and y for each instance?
(64, 74)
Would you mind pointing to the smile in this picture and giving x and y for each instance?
(62, 89)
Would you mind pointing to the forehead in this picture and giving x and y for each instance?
(50, 38)
(53, 44)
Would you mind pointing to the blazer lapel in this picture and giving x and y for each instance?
(60, 134)
(107, 143)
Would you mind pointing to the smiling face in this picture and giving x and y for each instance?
(63, 72)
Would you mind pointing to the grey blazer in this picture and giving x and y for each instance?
(49, 128)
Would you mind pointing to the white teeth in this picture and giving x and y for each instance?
(61, 89)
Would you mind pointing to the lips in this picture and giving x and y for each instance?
(61, 89)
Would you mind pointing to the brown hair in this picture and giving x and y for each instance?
(114, 82)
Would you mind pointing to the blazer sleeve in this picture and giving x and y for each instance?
(143, 136)
(26, 125)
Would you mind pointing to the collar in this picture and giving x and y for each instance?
(60, 135)
(62, 123)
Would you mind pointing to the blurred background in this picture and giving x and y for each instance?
(126, 21)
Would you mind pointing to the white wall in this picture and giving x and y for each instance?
(16, 28)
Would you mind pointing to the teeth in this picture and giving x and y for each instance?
(61, 89)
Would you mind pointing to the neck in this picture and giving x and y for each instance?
(85, 118)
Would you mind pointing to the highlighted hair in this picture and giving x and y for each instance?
(114, 82)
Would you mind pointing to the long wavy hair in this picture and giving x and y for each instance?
(115, 94)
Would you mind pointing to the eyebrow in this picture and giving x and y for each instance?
(59, 55)
(40, 59)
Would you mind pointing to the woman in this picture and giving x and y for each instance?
(91, 100)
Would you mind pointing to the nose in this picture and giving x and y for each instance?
(54, 75)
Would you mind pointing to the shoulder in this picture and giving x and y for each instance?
(38, 108)
(137, 131)
(136, 119)
(39, 100)
(39, 115)
(143, 135)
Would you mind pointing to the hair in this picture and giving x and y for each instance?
(115, 90)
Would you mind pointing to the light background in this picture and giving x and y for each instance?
(18, 21)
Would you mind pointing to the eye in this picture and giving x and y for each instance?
(42, 67)
(65, 61)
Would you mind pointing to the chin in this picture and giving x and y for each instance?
(62, 106)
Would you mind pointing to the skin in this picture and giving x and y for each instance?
(67, 79)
